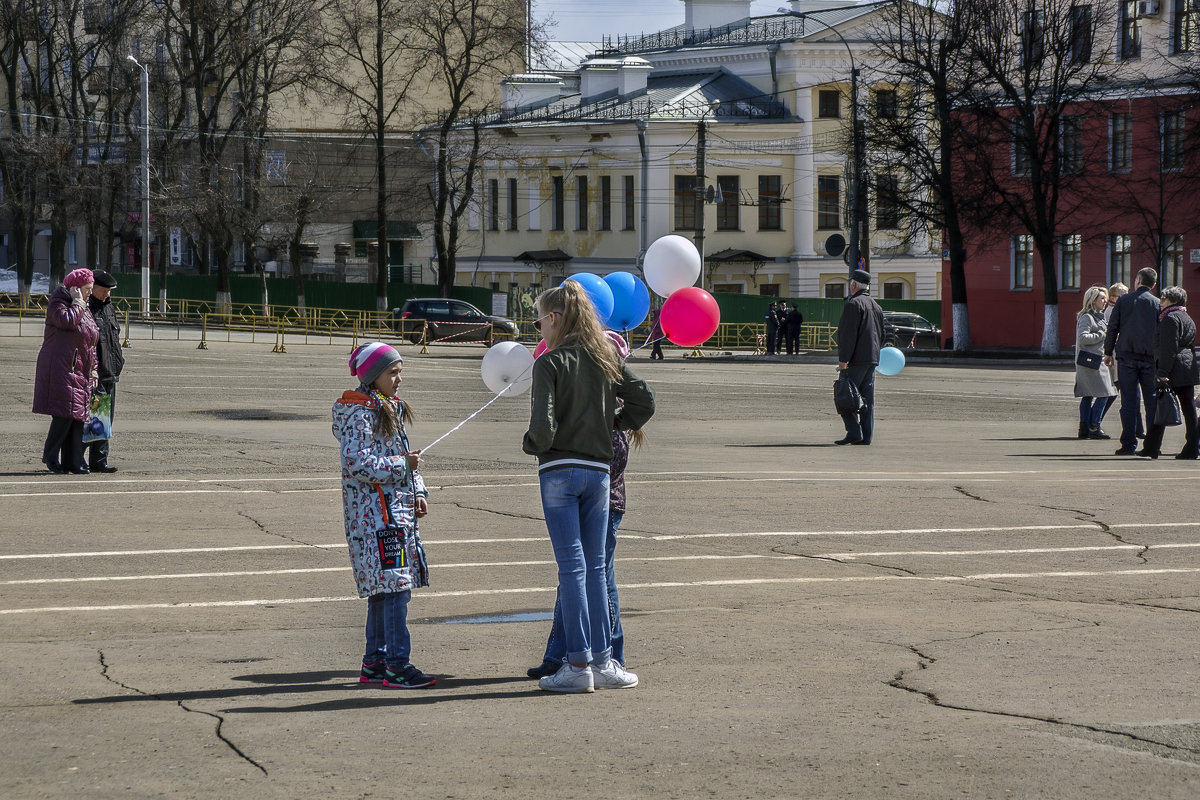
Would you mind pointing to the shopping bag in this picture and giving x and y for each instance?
(1166, 408)
(846, 398)
(99, 424)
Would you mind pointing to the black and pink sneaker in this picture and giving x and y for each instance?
(407, 677)
(372, 673)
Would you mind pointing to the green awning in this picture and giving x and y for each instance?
(397, 230)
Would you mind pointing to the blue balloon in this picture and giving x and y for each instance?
(631, 300)
(891, 361)
(599, 293)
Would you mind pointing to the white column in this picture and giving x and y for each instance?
(803, 180)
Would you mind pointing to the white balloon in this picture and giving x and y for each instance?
(671, 263)
(508, 368)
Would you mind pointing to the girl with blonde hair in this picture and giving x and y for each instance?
(1093, 383)
(576, 385)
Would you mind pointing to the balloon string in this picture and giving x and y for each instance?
(425, 449)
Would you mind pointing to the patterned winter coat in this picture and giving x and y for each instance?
(62, 386)
(378, 492)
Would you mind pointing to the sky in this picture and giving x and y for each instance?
(591, 20)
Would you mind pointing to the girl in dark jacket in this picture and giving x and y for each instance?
(66, 372)
(1177, 369)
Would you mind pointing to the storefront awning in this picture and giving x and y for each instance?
(540, 256)
(737, 255)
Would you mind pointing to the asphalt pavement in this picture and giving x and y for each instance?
(978, 605)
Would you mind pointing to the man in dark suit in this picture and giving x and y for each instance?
(772, 329)
(860, 333)
(1130, 336)
(794, 321)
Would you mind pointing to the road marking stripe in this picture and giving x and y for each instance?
(657, 585)
(665, 537)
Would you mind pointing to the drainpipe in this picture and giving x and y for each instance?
(772, 51)
(644, 232)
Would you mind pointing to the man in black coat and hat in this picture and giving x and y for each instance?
(109, 358)
(859, 336)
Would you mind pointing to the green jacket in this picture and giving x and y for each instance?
(574, 409)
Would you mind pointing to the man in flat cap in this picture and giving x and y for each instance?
(109, 358)
(860, 333)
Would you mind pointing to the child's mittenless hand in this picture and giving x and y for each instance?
(421, 506)
(414, 458)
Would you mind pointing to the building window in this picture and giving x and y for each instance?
(239, 182)
(835, 290)
(512, 204)
(768, 289)
(1120, 141)
(1130, 30)
(581, 203)
(1081, 34)
(493, 209)
(1071, 145)
(556, 203)
(629, 203)
(1021, 163)
(685, 202)
(770, 198)
(1171, 273)
(1070, 252)
(727, 208)
(829, 104)
(1031, 37)
(1172, 141)
(894, 290)
(1119, 259)
(1022, 261)
(533, 196)
(72, 255)
(605, 203)
(1186, 31)
(829, 202)
(886, 104)
(887, 202)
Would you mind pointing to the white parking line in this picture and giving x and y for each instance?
(657, 585)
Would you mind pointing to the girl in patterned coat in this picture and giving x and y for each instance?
(383, 496)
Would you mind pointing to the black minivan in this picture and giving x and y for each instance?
(450, 321)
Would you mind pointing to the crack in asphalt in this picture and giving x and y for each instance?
(262, 527)
(924, 661)
(965, 493)
(1087, 516)
(220, 720)
(779, 550)
(494, 511)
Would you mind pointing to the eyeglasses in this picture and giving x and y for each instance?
(537, 323)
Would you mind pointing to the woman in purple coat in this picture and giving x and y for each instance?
(66, 372)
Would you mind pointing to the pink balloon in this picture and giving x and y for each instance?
(541, 348)
(690, 316)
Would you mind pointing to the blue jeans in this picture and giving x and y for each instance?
(556, 646)
(1091, 410)
(387, 629)
(1134, 375)
(862, 424)
(575, 504)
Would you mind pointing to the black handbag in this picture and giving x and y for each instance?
(1166, 408)
(846, 398)
(1085, 358)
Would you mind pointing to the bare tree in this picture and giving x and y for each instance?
(464, 47)
(1039, 59)
(914, 129)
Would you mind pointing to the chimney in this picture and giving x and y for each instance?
(523, 91)
(632, 76)
(700, 15)
(598, 78)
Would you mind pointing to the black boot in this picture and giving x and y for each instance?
(1094, 432)
(1083, 430)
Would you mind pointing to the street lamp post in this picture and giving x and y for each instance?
(145, 184)
(858, 157)
(701, 139)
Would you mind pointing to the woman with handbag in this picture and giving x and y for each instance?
(1093, 383)
(383, 496)
(1178, 373)
(66, 372)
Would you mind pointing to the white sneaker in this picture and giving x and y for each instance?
(613, 676)
(568, 679)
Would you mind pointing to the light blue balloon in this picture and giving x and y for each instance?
(891, 361)
(599, 293)
(631, 300)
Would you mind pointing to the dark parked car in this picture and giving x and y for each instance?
(450, 321)
(904, 330)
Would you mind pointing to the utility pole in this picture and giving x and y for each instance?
(699, 191)
(145, 184)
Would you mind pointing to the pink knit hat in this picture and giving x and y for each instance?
(368, 361)
(79, 277)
